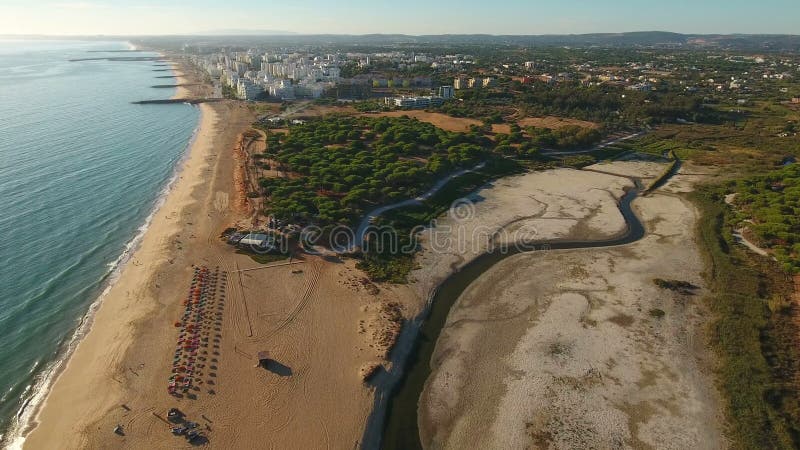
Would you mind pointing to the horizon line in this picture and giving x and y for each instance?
(278, 33)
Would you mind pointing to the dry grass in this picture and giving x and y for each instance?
(553, 122)
(324, 110)
(440, 120)
(501, 128)
(462, 124)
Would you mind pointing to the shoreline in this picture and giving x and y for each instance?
(28, 413)
(25, 419)
(62, 378)
(181, 92)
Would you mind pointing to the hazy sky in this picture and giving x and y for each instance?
(397, 16)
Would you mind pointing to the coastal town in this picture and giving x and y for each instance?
(488, 98)
(383, 140)
(422, 80)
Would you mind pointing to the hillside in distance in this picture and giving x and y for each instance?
(744, 42)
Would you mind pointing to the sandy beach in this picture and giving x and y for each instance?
(322, 322)
(187, 87)
(90, 384)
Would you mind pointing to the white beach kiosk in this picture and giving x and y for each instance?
(256, 240)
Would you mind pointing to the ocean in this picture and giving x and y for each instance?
(81, 171)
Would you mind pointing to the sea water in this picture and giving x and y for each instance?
(81, 170)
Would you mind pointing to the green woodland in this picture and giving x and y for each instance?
(338, 167)
(770, 204)
(613, 107)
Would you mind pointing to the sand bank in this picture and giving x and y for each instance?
(565, 203)
(540, 206)
(579, 348)
(182, 91)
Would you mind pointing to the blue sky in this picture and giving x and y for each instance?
(398, 16)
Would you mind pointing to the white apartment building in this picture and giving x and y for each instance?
(331, 72)
(311, 90)
(247, 90)
(283, 90)
(446, 92)
(415, 102)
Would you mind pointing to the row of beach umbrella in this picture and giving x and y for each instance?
(201, 311)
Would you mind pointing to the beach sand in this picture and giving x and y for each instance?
(93, 381)
(320, 320)
(580, 348)
(188, 84)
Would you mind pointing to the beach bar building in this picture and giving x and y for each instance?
(255, 240)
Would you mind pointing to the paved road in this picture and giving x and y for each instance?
(375, 213)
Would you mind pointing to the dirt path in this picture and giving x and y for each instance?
(370, 216)
(597, 147)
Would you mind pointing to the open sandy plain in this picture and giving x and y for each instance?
(563, 203)
(579, 348)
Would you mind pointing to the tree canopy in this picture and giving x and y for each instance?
(337, 167)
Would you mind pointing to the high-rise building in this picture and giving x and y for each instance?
(446, 91)
(247, 90)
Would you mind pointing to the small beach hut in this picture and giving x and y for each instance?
(263, 359)
(255, 240)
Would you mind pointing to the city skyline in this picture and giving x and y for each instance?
(413, 17)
